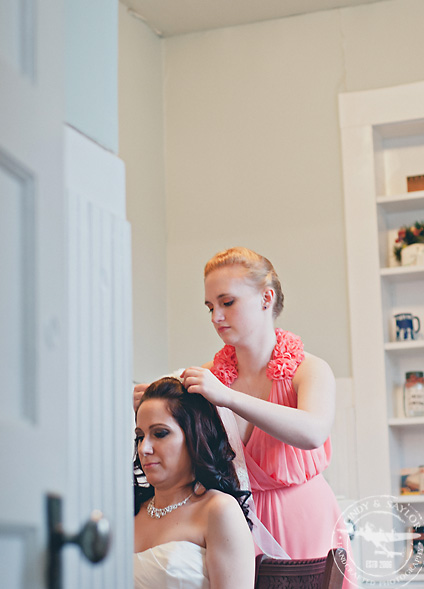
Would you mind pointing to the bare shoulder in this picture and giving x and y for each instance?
(313, 366)
(230, 552)
(216, 502)
(208, 365)
(220, 512)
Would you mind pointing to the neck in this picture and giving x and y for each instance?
(165, 497)
(253, 357)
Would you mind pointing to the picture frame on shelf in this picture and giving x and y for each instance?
(415, 548)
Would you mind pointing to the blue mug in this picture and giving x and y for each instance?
(405, 326)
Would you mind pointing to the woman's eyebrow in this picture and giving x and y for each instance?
(138, 430)
(221, 296)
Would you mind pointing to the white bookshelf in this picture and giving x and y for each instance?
(410, 499)
(398, 203)
(382, 143)
(406, 422)
(401, 273)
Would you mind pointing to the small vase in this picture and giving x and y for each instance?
(412, 255)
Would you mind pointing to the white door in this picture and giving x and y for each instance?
(64, 321)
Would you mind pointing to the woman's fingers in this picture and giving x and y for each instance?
(193, 379)
(138, 393)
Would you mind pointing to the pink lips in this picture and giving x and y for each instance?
(149, 465)
(223, 328)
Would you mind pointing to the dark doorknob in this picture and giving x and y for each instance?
(94, 539)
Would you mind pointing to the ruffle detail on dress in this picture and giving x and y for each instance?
(286, 357)
(225, 365)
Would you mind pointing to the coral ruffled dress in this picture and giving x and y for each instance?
(293, 500)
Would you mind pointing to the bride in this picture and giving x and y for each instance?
(192, 527)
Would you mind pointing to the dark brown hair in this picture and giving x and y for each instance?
(207, 442)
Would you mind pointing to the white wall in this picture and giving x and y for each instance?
(141, 147)
(91, 69)
(253, 158)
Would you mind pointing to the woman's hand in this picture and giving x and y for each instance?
(138, 393)
(201, 380)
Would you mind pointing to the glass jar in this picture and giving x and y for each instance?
(413, 394)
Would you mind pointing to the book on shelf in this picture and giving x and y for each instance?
(412, 481)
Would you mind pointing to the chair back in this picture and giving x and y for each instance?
(316, 573)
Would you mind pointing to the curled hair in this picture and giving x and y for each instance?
(206, 439)
(259, 271)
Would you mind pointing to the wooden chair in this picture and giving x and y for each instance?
(317, 573)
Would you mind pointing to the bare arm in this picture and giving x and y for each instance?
(306, 427)
(230, 555)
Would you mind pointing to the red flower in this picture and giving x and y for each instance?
(401, 234)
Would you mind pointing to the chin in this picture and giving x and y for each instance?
(222, 334)
(228, 338)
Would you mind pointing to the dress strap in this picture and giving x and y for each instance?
(265, 542)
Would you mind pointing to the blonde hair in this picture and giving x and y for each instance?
(259, 271)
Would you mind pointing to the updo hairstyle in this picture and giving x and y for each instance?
(206, 439)
(259, 270)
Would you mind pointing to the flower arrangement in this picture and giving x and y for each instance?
(407, 236)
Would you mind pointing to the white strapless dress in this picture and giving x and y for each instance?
(174, 565)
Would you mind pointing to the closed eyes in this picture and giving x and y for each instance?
(225, 304)
(159, 434)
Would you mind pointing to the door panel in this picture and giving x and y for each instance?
(17, 303)
(100, 418)
(65, 335)
(33, 333)
(17, 33)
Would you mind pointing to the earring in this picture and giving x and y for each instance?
(265, 307)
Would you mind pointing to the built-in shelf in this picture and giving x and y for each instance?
(410, 499)
(408, 201)
(400, 347)
(405, 421)
(383, 136)
(402, 274)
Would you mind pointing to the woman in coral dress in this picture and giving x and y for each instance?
(283, 400)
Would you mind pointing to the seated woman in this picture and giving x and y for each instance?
(191, 518)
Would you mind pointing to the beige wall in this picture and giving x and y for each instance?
(141, 147)
(252, 157)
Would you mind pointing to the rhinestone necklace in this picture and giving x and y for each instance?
(158, 513)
